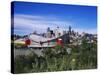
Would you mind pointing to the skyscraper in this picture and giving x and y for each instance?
(69, 30)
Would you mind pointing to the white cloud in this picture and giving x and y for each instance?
(80, 30)
(37, 22)
(29, 23)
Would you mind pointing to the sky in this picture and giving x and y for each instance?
(30, 17)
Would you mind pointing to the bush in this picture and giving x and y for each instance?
(57, 59)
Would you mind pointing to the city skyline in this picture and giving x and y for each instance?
(29, 17)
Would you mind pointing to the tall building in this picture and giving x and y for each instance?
(57, 32)
(69, 34)
(48, 29)
(69, 30)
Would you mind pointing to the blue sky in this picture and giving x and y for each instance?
(29, 17)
